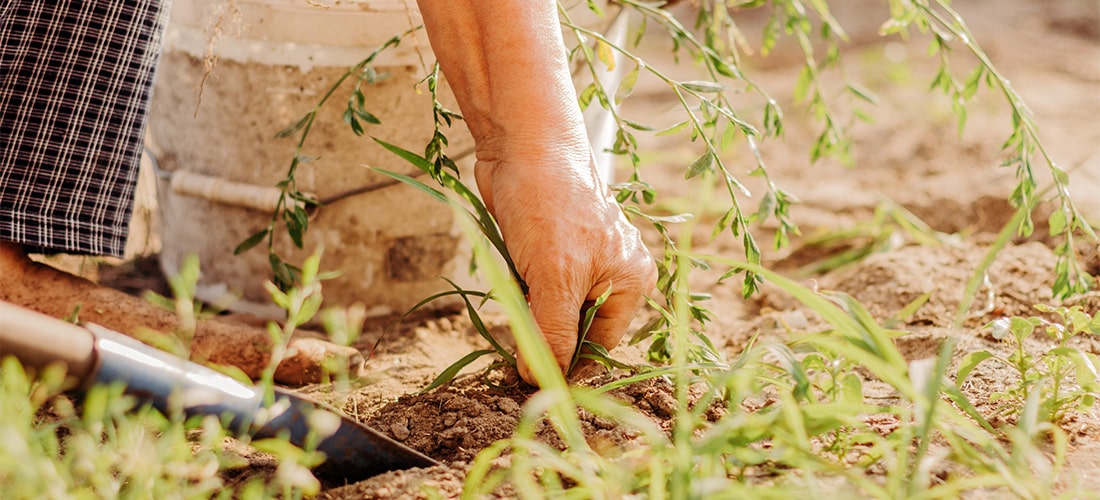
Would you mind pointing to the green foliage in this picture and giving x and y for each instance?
(487, 231)
(109, 445)
(117, 447)
(293, 207)
(301, 304)
(113, 447)
(487, 226)
(947, 29)
(188, 311)
(435, 151)
(891, 227)
(1063, 378)
(793, 418)
(110, 450)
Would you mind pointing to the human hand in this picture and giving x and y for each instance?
(508, 67)
(570, 241)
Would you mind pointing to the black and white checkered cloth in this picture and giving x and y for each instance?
(75, 79)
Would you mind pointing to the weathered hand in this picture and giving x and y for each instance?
(570, 242)
(507, 64)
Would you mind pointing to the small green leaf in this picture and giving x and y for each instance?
(303, 159)
(1094, 325)
(773, 119)
(911, 308)
(862, 93)
(1022, 328)
(1060, 175)
(674, 129)
(418, 161)
(605, 54)
(802, 86)
(968, 363)
(586, 95)
(766, 207)
(367, 117)
(294, 127)
(295, 231)
(728, 136)
(589, 317)
(435, 193)
(452, 371)
(595, 8)
(297, 222)
(626, 86)
(703, 86)
(771, 35)
(973, 82)
(350, 119)
(300, 216)
(723, 222)
(703, 164)
(637, 126)
(251, 241)
(851, 389)
(796, 370)
(284, 279)
(1057, 222)
(358, 99)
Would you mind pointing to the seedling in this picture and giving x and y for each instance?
(1063, 377)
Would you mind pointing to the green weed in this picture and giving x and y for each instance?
(891, 227)
(794, 420)
(1063, 378)
(106, 444)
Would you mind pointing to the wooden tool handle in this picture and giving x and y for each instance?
(38, 340)
(239, 194)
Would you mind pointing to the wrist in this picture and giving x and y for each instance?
(536, 146)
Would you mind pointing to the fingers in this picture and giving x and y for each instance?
(483, 175)
(559, 312)
(635, 277)
(613, 318)
(556, 310)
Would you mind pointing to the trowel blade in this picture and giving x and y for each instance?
(353, 451)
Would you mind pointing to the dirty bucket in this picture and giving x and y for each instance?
(391, 243)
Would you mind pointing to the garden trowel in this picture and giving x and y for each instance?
(96, 355)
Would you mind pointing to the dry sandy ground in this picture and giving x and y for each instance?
(911, 155)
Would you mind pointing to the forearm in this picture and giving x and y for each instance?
(506, 62)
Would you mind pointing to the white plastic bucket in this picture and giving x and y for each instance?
(393, 244)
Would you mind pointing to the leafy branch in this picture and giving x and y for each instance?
(710, 117)
(1023, 144)
(435, 151)
(292, 210)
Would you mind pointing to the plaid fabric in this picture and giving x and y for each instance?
(75, 79)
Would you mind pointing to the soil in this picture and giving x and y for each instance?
(911, 155)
